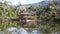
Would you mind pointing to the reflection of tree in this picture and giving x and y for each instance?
(47, 14)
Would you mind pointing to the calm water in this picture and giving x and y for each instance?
(14, 30)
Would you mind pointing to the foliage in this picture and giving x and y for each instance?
(31, 8)
(47, 12)
(42, 12)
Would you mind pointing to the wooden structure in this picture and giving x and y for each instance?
(28, 16)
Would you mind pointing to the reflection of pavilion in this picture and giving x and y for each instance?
(28, 16)
(27, 19)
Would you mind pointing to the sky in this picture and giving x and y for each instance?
(15, 2)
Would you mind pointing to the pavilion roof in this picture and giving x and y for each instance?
(28, 12)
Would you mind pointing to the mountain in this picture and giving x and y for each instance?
(35, 4)
(44, 3)
(56, 0)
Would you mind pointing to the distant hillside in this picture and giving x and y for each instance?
(36, 4)
(44, 3)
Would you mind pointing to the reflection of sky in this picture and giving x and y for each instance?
(14, 2)
(14, 33)
(34, 32)
(21, 31)
(11, 29)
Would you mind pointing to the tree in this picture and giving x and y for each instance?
(48, 12)
(31, 8)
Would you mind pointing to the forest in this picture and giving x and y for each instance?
(47, 17)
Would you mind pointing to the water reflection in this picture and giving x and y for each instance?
(34, 32)
(1, 32)
(23, 31)
(14, 30)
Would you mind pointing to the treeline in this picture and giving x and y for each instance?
(50, 13)
(49, 16)
(7, 10)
